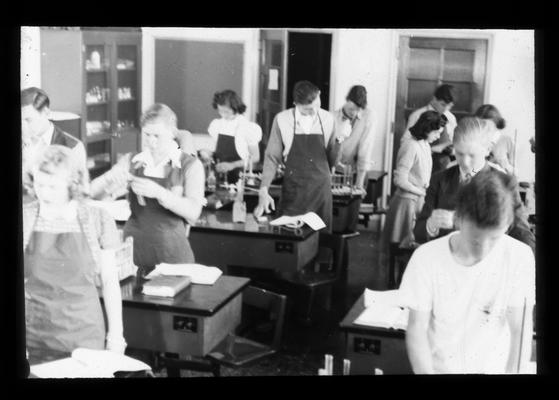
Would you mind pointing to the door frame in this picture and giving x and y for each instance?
(488, 35)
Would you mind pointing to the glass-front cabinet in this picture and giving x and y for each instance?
(111, 104)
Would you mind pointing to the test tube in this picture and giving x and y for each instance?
(328, 363)
(347, 365)
(378, 371)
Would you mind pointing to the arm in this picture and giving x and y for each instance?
(520, 338)
(109, 239)
(431, 201)
(79, 154)
(113, 306)
(333, 148)
(185, 141)
(114, 181)
(417, 343)
(272, 158)
(406, 157)
(189, 205)
(365, 153)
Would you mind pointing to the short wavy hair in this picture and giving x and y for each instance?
(305, 92)
(35, 97)
(358, 95)
(445, 93)
(56, 158)
(230, 99)
(489, 111)
(428, 121)
(159, 112)
(488, 200)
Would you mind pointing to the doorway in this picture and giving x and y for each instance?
(308, 58)
(285, 58)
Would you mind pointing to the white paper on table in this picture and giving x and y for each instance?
(273, 79)
(118, 209)
(310, 218)
(387, 297)
(88, 363)
(383, 316)
(198, 273)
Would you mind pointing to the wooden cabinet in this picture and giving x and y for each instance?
(101, 81)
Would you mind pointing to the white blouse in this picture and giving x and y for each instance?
(245, 132)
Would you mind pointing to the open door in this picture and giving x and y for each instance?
(272, 82)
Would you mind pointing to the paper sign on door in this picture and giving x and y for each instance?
(273, 83)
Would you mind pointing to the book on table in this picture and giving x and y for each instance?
(165, 285)
(383, 309)
(198, 273)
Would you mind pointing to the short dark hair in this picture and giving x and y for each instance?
(230, 99)
(304, 92)
(445, 93)
(358, 95)
(428, 121)
(489, 111)
(35, 97)
(488, 199)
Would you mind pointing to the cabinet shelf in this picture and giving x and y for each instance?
(97, 137)
(97, 103)
(96, 70)
(126, 100)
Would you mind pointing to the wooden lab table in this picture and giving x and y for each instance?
(373, 347)
(190, 324)
(218, 241)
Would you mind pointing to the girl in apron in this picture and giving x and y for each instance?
(236, 138)
(63, 238)
(165, 191)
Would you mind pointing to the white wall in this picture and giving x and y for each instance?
(512, 90)
(30, 68)
(247, 36)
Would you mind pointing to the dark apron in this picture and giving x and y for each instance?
(307, 183)
(159, 234)
(226, 151)
(63, 311)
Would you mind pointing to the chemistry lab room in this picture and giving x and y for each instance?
(245, 202)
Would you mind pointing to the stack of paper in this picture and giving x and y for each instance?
(198, 273)
(296, 221)
(88, 363)
(165, 285)
(383, 309)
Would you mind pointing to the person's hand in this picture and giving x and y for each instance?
(360, 190)
(265, 203)
(224, 167)
(441, 219)
(147, 188)
(204, 155)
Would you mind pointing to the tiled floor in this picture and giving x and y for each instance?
(303, 348)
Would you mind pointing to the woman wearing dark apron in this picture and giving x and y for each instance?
(166, 193)
(236, 138)
(309, 131)
(63, 238)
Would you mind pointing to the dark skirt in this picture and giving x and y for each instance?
(401, 217)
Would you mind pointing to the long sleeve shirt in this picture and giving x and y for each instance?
(357, 149)
(281, 139)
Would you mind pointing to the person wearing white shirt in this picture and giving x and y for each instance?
(38, 132)
(442, 102)
(235, 138)
(471, 293)
(302, 138)
(356, 122)
(166, 192)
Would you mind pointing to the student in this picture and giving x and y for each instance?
(38, 132)
(355, 121)
(471, 147)
(411, 178)
(471, 293)
(303, 138)
(443, 100)
(502, 151)
(166, 192)
(63, 238)
(235, 137)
